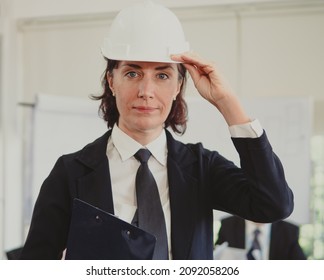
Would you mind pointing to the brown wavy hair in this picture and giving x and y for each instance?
(177, 118)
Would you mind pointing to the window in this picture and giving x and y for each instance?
(312, 235)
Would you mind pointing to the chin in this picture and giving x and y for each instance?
(147, 126)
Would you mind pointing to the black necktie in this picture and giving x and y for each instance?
(255, 245)
(149, 214)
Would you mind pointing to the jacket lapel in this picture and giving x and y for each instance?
(182, 186)
(95, 186)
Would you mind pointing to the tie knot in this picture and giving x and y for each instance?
(256, 232)
(143, 155)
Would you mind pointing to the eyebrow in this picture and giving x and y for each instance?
(136, 66)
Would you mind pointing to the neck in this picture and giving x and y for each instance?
(144, 137)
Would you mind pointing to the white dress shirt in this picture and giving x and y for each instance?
(263, 237)
(123, 167)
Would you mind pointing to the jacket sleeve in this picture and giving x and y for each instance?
(257, 191)
(51, 217)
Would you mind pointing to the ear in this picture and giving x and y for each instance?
(178, 90)
(110, 81)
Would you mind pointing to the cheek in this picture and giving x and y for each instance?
(125, 89)
(124, 100)
(120, 102)
(167, 104)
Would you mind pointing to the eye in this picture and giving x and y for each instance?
(162, 76)
(132, 74)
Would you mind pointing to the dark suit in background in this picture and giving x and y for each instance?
(283, 238)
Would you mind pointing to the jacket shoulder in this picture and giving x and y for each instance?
(90, 155)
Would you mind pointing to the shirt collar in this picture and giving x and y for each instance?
(127, 146)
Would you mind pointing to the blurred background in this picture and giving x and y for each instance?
(271, 52)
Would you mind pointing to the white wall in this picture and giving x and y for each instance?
(53, 47)
(11, 146)
(45, 8)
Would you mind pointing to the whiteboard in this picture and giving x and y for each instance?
(61, 125)
(66, 124)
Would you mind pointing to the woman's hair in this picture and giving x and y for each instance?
(177, 118)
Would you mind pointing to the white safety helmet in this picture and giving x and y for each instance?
(145, 32)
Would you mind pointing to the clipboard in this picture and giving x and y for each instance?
(98, 235)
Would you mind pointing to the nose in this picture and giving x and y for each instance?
(146, 88)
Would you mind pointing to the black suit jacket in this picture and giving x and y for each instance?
(199, 181)
(283, 238)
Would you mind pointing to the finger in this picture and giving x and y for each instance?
(204, 67)
(193, 71)
(186, 57)
(177, 58)
(190, 58)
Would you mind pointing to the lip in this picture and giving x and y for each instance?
(144, 109)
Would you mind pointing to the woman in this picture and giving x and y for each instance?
(143, 95)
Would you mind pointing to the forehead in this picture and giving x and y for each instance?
(148, 65)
